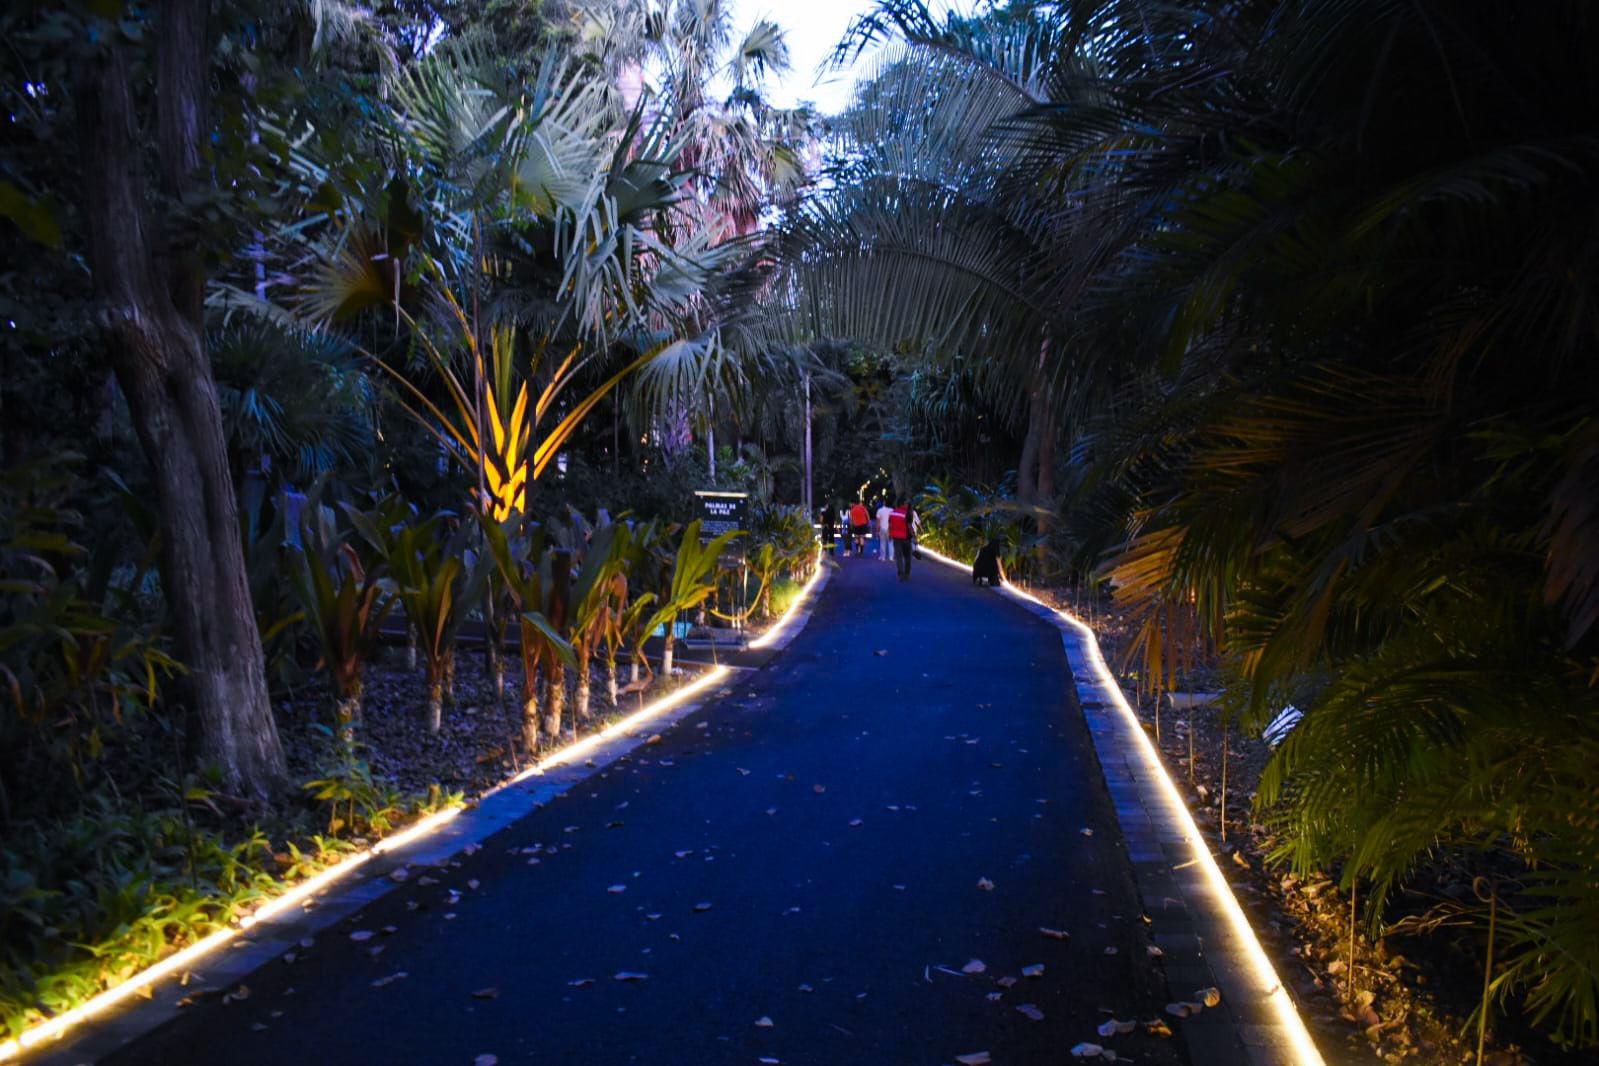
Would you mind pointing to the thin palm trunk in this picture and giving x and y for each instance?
(435, 705)
(584, 681)
(555, 701)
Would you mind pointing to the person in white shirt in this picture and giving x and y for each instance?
(884, 550)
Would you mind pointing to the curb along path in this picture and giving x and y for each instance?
(434, 841)
(1197, 921)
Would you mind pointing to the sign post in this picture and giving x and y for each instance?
(725, 512)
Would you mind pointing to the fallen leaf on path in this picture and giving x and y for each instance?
(975, 966)
(1087, 1051)
(362, 934)
(401, 875)
(683, 854)
(1154, 952)
(806, 988)
(240, 993)
(389, 980)
(630, 975)
(771, 810)
(580, 982)
(818, 789)
(616, 889)
(1031, 1012)
(880, 651)
(491, 992)
(1054, 934)
(700, 908)
(856, 823)
(741, 771)
(486, 1060)
(1113, 950)
(976, 1058)
(763, 1022)
(1210, 997)
(1087, 832)
(1157, 1027)
(985, 884)
(1035, 970)
(1006, 982)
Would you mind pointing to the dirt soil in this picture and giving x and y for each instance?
(479, 743)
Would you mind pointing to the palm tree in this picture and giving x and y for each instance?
(537, 577)
(691, 584)
(1341, 438)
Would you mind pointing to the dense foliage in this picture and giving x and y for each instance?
(1295, 298)
(404, 277)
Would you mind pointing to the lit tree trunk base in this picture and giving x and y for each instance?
(584, 687)
(435, 708)
(555, 703)
(530, 723)
(610, 679)
(666, 654)
(449, 679)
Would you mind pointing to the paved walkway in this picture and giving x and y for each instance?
(800, 872)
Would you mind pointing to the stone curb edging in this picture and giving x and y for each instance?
(270, 938)
(1201, 946)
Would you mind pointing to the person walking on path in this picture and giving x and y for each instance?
(884, 552)
(860, 520)
(901, 530)
(827, 527)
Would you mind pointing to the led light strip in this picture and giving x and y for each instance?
(1269, 985)
(99, 1004)
(776, 629)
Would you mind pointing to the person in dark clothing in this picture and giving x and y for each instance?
(988, 567)
(827, 527)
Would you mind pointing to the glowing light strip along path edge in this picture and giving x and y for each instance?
(111, 997)
(1270, 985)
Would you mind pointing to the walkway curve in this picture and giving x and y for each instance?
(906, 794)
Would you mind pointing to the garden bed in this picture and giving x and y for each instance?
(1407, 999)
(186, 871)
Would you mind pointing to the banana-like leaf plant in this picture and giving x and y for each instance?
(345, 604)
(693, 580)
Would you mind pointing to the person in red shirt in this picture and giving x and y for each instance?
(859, 522)
(902, 531)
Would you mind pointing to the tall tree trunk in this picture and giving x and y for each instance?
(1027, 466)
(610, 677)
(666, 650)
(150, 289)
